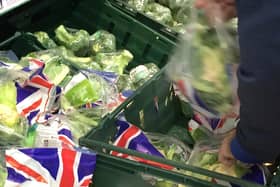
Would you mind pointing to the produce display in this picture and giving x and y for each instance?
(52, 97)
(175, 14)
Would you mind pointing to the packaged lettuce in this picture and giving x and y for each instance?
(114, 61)
(102, 41)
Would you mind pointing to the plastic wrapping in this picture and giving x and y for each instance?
(203, 66)
(140, 74)
(102, 41)
(115, 61)
(170, 147)
(12, 126)
(160, 13)
(84, 89)
(138, 4)
(205, 155)
(73, 39)
(45, 40)
(125, 83)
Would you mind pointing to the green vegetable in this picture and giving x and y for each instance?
(115, 61)
(180, 133)
(210, 162)
(86, 91)
(175, 4)
(75, 40)
(213, 87)
(171, 148)
(78, 62)
(102, 41)
(8, 112)
(208, 159)
(45, 40)
(138, 4)
(12, 127)
(159, 13)
(56, 71)
(124, 83)
(140, 74)
(83, 120)
(182, 15)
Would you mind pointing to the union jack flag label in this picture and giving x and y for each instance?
(52, 167)
(131, 137)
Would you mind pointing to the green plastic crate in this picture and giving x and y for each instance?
(140, 110)
(145, 44)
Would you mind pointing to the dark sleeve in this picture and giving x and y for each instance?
(258, 132)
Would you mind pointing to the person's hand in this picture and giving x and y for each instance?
(224, 9)
(225, 155)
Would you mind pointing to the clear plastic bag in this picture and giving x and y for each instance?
(12, 126)
(139, 5)
(87, 90)
(205, 155)
(171, 148)
(102, 41)
(159, 12)
(73, 39)
(204, 64)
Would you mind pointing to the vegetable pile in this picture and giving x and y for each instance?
(173, 13)
(90, 71)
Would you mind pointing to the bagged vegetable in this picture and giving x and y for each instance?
(159, 13)
(42, 166)
(102, 41)
(203, 66)
(138, 4)
(77, 62)
(75, 40)
(12, 126)
(38, 96)
(125, 83)
(115, 61)
(45, 40)
(205, 155)
(142, 73)
(86, 88)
